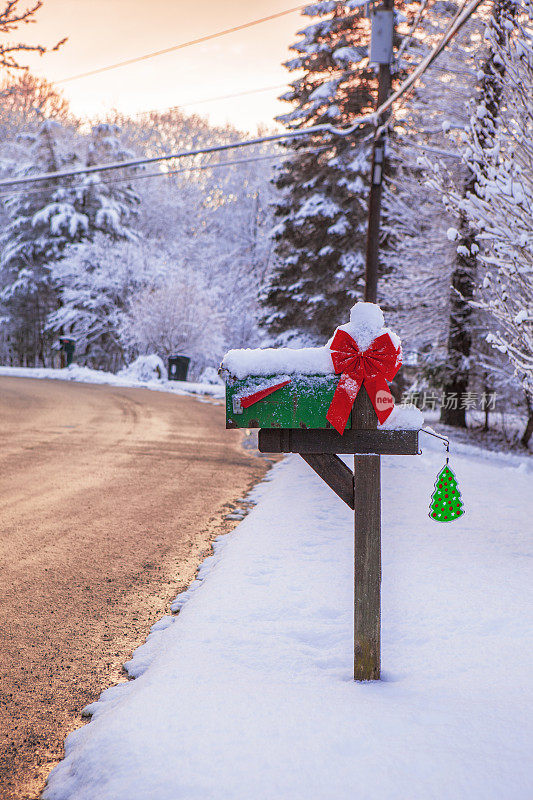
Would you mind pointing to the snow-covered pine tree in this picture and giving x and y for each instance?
(86, 309)
(45, 221)
(42, 222)
(109, 199)
(321, 213)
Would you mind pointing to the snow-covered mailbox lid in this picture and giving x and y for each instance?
(315, 387)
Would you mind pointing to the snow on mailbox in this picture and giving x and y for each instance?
(314, 387)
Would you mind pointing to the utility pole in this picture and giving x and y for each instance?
(380, 53)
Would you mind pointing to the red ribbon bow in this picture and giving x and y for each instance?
(372, 367)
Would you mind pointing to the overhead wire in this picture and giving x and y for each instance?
(451, 25)
(165, 173)
(416, 22)
(428, 149)
(462, 16)
(182, 45)
(467, 73)
(218, 148)
(176, 106)
(190, 43)
(214, 99)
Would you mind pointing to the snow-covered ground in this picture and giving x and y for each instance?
(87, 375)
(248, 694)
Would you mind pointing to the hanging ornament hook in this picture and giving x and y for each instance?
(438, 436)
(447, 443)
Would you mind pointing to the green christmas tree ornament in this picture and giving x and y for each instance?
(446, 504)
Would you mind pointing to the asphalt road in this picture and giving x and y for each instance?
(109, 499)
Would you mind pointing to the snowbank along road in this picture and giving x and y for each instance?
(109, 499)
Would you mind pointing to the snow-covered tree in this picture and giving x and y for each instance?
(156, 132)
(416, 251)
(109, 198)
(234, 247)
(179, 315)
(26, 101)
(46, 220)
(498, 208)
(98, 281)
(461, 333)
(321, 213)
(43, 221)
(215, 220)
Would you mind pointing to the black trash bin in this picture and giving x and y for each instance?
(178, 366)
(68, 347)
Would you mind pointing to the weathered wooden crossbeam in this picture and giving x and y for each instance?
(319, 449)
(335, 473)
(360, 442)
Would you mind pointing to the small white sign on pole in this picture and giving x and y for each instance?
(382, 34)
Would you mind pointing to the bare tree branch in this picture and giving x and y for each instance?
(11, 17)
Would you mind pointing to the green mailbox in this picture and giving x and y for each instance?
(279, 401)
(314, 387)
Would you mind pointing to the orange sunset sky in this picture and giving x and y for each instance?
(102, 32)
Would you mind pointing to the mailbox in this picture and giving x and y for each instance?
(279, 401)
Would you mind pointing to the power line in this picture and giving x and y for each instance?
(243, 93)
(416, 22)
(182, 45)
(428, 149)
(226, 96)
(323, 128)
(203, 100)
(162, 174)
(461, 17)
(466, 73)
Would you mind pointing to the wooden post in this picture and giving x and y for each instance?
(367, 479)
(367, 561)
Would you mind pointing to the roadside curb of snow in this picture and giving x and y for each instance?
(144, 654)
(99, 378)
